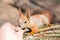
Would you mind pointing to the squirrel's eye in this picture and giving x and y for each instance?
(25, 22)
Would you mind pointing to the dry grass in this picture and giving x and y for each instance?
(51, 33)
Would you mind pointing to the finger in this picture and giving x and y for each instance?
(20, 34)
(7, 32)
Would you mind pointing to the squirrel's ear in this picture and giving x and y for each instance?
(28, 13)
(20, 12)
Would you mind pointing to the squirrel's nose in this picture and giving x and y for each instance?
(26, 29)
(19, 25)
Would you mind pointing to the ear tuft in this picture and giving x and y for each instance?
(20, 12)
(28, 13)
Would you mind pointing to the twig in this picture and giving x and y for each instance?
(55, 35)
(51, 32)
(48, 28)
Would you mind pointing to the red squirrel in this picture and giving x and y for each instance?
(35, 21)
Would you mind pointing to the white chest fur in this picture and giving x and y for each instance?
(40, 20)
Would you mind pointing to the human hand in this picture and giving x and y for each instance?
(7, 32)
